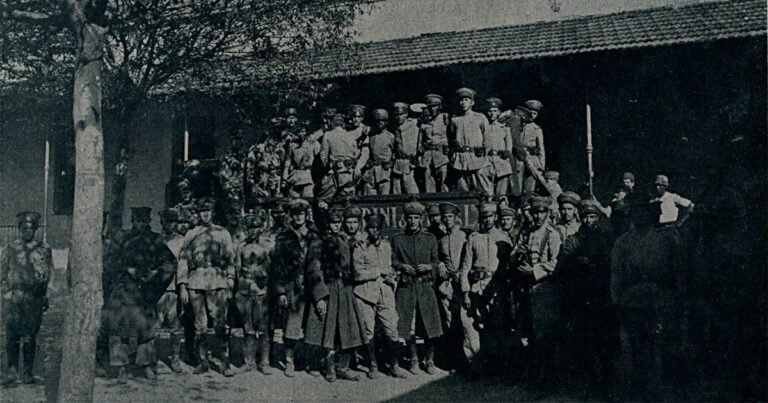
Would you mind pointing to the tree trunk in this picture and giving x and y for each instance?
(83, 314)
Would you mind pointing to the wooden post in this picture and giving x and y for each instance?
(186, 139)
(589, 151)
(46, 168)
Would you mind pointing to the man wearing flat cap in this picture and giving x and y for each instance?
(381, 145)
(434, 132)
(483, 298)
(251, 298)
(146, 269)
(499, 138)
(532, 260)
(568, 221)
(449, 252)
(375, 282)
(674, 208)
(297, 169)
(206, 278)
(584, 271)
(286, 278)
(353, 217)
(528, 138)
(25, 268)
(645, 279)
(407, 150)
(414, 256)
(343, 160)
(467, 136)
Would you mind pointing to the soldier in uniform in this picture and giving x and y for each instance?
(231, 170)
(645, 279)
(286, 279)
(584, 270)
(351, 227)
(414, 256)
(509, 222)
(377, 175)
(568, 223)
(25, 268)
(435, 142)
(234, 222)
(355, 126)
(407, 150)
(449, 251)
(484, 299)
(335, 321)
(327, 124)
(146, 269)
(500, 153)
(532, 261)
(552, 185)
(253, 262)
(187, 203)
(467, 136)
(297, 170)
(206, 278)
(168, 308)
(436, 226)
(375, 282)
(528, 139)
(341, 157)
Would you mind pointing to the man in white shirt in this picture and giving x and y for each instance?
(671, 203)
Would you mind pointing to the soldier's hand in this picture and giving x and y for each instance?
(322, 308)
(408, 269)
(467, 303)
(282, 301)
(525, 268)
(442, 271)
(183, 295)
(424, 268)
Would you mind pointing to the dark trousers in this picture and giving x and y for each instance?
(23, 319)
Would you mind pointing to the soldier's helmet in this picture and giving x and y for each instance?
(449, 208)
(353, 212)
(398, 108)
(297, 206)
(433, 210)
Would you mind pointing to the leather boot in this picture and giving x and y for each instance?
(249, 352)
(342, 371)
(330, 367)
(201, 348)
(393, 358)
(373, 368)
(290, 370)
(429, 359)
(413, 353)
(264, 347)
(175, 345)
(29, 360)
(226, 369)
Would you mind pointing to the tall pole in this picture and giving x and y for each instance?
(46, 168)
(186, 139)
(589, 151)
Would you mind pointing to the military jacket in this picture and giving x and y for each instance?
(381, 155)
(528, 140)
(415, 249)
(407, 147)
(500, 142)
(25, 268)
(147, 252)
(174, 245)
(253, 259)
(484, 254)
(449, 251)
(298, 166)
(539, 248)
(207, 259)
(371, 264)
(568, 229)
(340, 150)
(435, 141)
(468, 131)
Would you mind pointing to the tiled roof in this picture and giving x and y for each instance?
(700, 22)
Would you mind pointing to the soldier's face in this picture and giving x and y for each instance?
(253, 232)
(334, 227)
(466, 104)
(539, 217)
(589, 219)
(299, 219)
(449, 220)
(507, 222)
(413, 221)
(351, 225)
(205, 217)
(291, 120)
(381, 124)
(629, 183)
(532, 115)
(182, 227)
(493, 114)
(374, 231)
(434, 109)
(660, 189)
(567, 211)
(401, 117)
(356, 120)
(487, 222)
(27, 231)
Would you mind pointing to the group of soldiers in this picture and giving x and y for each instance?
(409, 149)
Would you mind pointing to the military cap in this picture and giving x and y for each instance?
(28, 217)
(297, 206)
(661, 180)
(487, 209)
(465, 92)
(418, 108)
(380, 114)
(374, 220)
(141, 213)
(400, 107)
(290, 111)
(554, 175)
(433, 209)
(205, 204)
(533, 105)
(493, 102)
(253, 220)
(539, 203)
(433, 99)
(168, 214)
(589, 206)
(335, 215)
(356, 110)
(449, 208)
(413, 208)
(353, 211)
(507, 212)
(329, 112)
(569, 197)
(628, 175)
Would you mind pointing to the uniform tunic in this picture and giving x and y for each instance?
(416, 292)
(500, 139)
(379, 167)
(436, 142)
(297, 171)
(569, 228)
(167, 307)
(449, 252)
(253, 261)
(286, 277)
(24, 273)
(468, 131)
(374, 286)
(340, 153)
(670, 203)
(407, 148)
(528, 146)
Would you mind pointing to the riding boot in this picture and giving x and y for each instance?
(393, 358)
(175, 345)
(290, 370)
(330, 367)
(29, 360)
(226, 370)
(249, 352)
(413, 367)
(342, 371)
(201, 348)
(373, 368)
(429, 359)
(264, 347)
